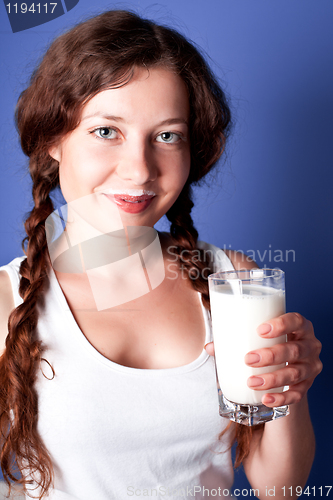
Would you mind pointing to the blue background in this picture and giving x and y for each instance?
(273, 191)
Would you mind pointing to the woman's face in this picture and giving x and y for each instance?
(132, 144)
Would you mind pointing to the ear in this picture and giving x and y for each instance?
(55, 153)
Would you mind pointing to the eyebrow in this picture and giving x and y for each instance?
(168, 121)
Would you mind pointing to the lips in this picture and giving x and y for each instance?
(132, 204)
(132, 199)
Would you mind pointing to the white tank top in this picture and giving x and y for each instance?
(116, 432)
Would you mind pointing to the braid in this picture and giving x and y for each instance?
(186, 236)
(20, 361)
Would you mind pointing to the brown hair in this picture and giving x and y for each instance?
(95, 55)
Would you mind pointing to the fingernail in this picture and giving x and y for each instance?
(251, 358)
(264, 329)
(269, 399)
(256, 381)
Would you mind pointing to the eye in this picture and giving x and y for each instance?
(105, 132)
(168, 137)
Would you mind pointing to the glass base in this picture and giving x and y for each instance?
(250, 414)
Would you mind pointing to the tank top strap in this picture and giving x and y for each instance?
(13, 271)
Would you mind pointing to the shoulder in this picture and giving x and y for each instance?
(6, 306)
(9, 297)
(6, 292)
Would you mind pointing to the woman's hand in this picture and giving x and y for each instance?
(301, 352)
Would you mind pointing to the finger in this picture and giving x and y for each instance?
(285, 324)
(210, 348)
(289, 375)
(290, 352)
(293, 395)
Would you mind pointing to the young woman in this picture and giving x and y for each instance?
(117, 401)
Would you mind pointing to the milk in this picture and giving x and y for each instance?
(235, 318)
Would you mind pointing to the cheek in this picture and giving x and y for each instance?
(173, 167)
(75, 180)
(67, 182)
(184, 167)
(80, 172)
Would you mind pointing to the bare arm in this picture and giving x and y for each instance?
(281, 455)
(6, 307)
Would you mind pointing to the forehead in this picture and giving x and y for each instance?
(155, 93)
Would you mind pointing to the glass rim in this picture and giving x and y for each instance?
(254, 273)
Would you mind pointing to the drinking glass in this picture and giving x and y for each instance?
(240, 302)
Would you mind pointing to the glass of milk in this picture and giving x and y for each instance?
(240, 301)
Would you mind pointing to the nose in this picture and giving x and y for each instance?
(137, 164)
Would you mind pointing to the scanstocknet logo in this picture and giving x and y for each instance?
(122, 263)
(25, 15)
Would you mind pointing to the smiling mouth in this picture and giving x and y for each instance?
(132, 199)
(131, 203)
